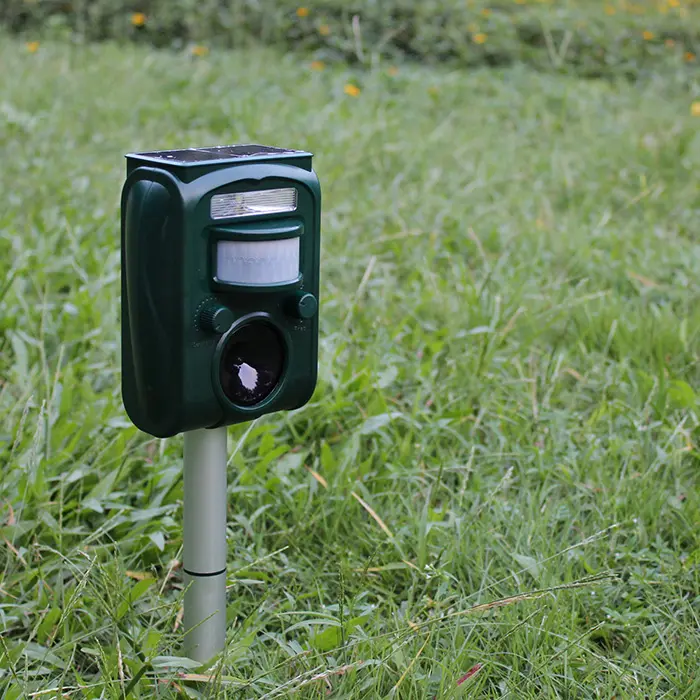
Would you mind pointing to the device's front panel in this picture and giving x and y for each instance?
(254, 301)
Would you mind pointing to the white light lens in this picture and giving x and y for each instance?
(258, 262)
(226, 206)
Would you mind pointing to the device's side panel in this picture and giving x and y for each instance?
(151, 323)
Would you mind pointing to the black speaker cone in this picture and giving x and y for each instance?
(252, 363)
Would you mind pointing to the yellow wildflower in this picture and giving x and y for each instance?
(610, 10)
(648, 36)
(200, 50)
(317, 65)
(351, 90)
(32, 46)
(674, 3)
(695, 109)
(324, 30)
(479, 38)
(689, 56)
(393, 71)
(485, 12)
(138, 19)
(302, 11)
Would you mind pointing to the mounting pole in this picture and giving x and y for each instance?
(204, 557)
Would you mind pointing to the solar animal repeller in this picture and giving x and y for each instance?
(220, 268)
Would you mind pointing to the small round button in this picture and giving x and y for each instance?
(303, 305)
(216, 318)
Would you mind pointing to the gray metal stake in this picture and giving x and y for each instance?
(204, 557)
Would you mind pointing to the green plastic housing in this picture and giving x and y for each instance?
(170, 377)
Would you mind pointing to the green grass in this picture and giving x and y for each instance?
(509, 367)
(593, 38)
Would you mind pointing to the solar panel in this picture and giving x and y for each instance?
(196, 155)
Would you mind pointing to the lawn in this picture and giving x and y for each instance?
(498, 474)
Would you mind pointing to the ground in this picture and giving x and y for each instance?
(498, 474)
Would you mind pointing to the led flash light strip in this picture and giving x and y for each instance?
(228, 206)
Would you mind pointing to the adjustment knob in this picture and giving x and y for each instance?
(302, 305)
(216, 318)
